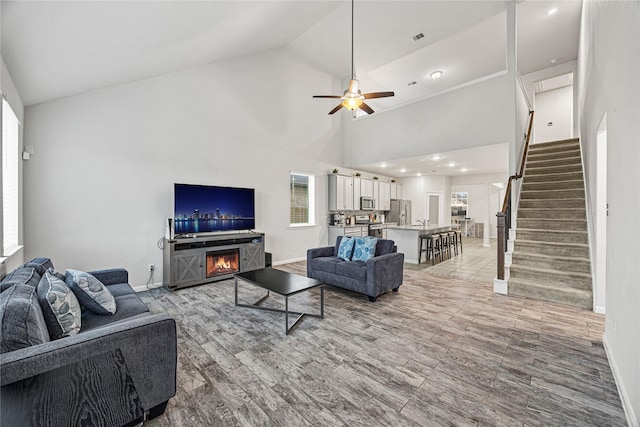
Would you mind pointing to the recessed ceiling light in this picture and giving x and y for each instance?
(552, 11)
(403, 170)
(383, 165)
(553, 61)
(436, 75)
(451, 164)
(418, 174)
(436, 157)
(463, 170)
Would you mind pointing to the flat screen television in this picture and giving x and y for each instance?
(205, 209)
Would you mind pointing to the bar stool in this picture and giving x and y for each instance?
(453, 242)
(444, 246)
(436, 248)
(459, 239)
(425, 241)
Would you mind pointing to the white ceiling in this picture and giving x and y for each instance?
(488, 159)
(55, 49)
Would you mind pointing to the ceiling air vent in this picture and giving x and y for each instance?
(412, 83)
(418, 37)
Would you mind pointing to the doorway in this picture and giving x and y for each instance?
(434, 209)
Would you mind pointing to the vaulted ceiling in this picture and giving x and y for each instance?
(55, 49)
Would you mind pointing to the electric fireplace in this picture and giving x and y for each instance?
(223, 262)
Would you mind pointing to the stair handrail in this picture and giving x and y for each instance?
(504, 216)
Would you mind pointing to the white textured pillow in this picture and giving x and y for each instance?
(92, 293)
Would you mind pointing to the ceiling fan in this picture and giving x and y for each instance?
(353, 98)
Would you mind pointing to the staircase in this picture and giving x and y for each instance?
(550, 260)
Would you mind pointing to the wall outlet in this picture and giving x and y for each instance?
(152, 267)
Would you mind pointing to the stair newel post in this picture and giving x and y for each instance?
(501, 243)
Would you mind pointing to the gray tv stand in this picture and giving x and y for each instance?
(204, 259)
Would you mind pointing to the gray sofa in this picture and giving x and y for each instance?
(116, 371)
(374, 277)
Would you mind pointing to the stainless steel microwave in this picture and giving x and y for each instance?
(367, 203)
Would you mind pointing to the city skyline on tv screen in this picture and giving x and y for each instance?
(202, 208)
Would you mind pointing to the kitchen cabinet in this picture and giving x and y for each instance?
(366, 188)
(376, 195)
(341, 193)
(356, 192)
(385, 196)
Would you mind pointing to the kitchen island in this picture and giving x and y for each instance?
(406, 237)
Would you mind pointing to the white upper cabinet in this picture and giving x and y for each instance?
(340, 193)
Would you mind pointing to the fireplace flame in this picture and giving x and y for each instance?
(222, 263)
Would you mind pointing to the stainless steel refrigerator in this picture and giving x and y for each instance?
(400, 212)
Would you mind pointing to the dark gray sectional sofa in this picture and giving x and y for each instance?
(116, 371)
(374, 277)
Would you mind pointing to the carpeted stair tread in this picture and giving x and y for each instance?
(553, 177)
(575, 203)
(553, 224)
(560, 278)
(574, 193)
(537, 156)
(551, 248)
(570, 296)
(573, 184)
(560, 236)
(560, 161)
(579, 213)
(552, 169)
(552, 262)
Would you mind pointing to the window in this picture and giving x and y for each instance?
(459, 204)
(10, 144)
(302, 199)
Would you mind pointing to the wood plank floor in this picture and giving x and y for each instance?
(442, 351)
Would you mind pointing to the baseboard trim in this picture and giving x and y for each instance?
(624, 397)
(287, 261)
(142, 288)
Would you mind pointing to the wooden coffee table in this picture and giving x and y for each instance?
(281, 283)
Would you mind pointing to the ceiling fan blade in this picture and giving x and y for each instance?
(378, 95)
(335, 109)
(364, 107)
(327, 96)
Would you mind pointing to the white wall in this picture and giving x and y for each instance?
(554, 107)
(416, 188)
(472, 116)
(99, 188)
(13, 98)
(608, 70)
(530, 79)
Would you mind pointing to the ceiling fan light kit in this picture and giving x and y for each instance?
(352, 98)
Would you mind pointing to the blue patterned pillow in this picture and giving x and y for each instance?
(59, 305)
(91, 293)
(365, 248)
(346, 248)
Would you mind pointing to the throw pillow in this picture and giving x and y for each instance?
(20, 276)
(346, 248)
(40, 264)
(21, 321)
(365, 248)
(59, 305)
(92, 293)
